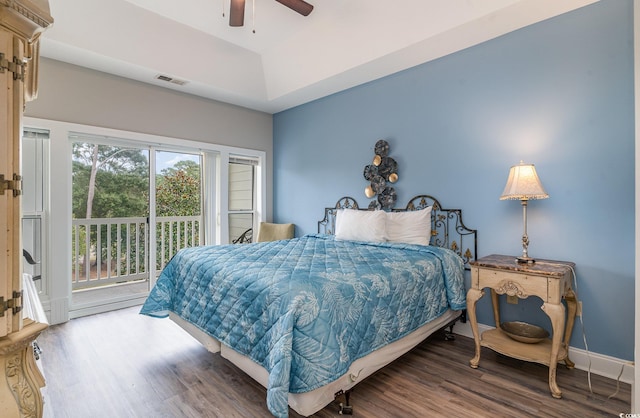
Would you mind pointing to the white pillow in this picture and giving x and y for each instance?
(412, 227)
(360, 225)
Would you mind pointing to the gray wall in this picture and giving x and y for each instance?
(69, 93)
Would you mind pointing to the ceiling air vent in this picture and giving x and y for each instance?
(169, 79)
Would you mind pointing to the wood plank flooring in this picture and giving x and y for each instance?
(122, 364)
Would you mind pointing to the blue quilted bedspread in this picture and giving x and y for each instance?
(306, 308)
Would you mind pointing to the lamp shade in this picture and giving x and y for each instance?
(523, 184)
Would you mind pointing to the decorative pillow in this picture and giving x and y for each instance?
(360, 225)
(274, 232)
(412, 227)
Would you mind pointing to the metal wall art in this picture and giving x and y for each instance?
(383, 169)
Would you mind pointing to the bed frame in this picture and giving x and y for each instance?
(448, 231)
(447, 228)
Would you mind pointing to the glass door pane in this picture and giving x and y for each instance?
(110, 204)
(178, 204)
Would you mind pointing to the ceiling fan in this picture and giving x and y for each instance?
(236, 9)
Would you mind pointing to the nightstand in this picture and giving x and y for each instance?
(550, 281)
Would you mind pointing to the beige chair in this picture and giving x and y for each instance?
(274, 232)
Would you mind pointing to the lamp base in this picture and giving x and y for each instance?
(525, 260)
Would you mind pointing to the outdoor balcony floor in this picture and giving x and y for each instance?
(86, 298)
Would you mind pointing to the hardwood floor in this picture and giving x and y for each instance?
(121, 364)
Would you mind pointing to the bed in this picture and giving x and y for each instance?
(309, 318)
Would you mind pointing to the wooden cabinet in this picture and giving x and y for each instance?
(21, 24)
(547, 279)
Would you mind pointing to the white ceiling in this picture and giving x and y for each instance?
(290, 59)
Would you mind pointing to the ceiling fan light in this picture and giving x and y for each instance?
(299, 6)
(236, 13)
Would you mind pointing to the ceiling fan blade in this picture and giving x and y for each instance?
(299, 6)
(236, 13)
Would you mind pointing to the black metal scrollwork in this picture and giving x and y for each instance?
(383, 169)
(447, 228)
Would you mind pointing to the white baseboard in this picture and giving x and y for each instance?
(600, 364)
(57, 310)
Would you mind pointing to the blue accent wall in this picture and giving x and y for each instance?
(558, 94)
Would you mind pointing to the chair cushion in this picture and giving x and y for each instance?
(274, 232)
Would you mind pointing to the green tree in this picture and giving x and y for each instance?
(177, 194)
(178, 190)
(109, 181)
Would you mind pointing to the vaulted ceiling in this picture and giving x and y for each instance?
(290, 59)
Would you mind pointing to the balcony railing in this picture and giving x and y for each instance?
(116, 250)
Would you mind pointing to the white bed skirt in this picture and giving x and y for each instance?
(310, 402)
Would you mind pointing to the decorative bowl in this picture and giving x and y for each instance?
(523, 332)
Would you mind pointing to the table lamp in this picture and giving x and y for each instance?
(523, 184)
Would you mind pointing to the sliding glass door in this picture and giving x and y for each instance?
(132, 209)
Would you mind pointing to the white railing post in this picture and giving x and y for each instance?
(131, 262)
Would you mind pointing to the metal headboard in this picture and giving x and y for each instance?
(447, 228)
